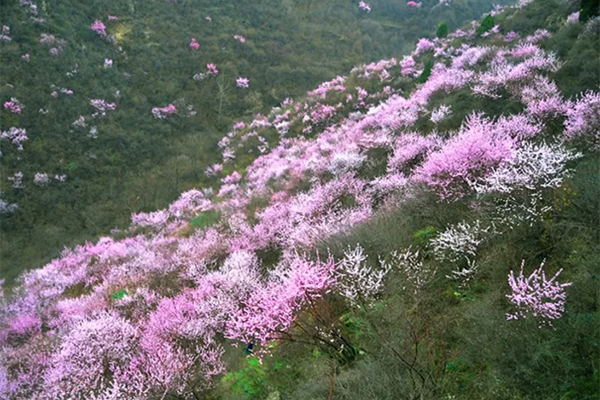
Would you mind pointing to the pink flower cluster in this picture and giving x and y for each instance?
(164, 112)
(424, 45)
(583, 119)
(194, 45)
(364, 6)
(240, 38)
(16, 136)
(243, 83)
(211, 69)
(537, 295)
(324, 88)
(14, 106)
(102, 107)
(99, 27)
(472, 153)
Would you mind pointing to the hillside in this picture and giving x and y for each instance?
(424, 227)
(98, 166)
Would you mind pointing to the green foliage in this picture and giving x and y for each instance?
(442, 30)
(423, 236)
(247, 383)
(120, 294)
(589, 9)
(426, 72)
(486, 24)
(205, 219)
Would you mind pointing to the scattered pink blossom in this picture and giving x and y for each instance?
(242, 82)
(17, 136)
(364, 6)
(98, 27)
(41, 179)
(102, 106)
(211, 69)
(573, 18)
(164, 112)
(510, 36)
(14, 106)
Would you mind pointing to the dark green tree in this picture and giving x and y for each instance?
(442, 30)
(426, 72)
(486, 25)
(589, 9)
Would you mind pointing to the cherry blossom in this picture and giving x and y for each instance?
(41, 179)
(583, 119)
(16, 136)
(14, 106)
(102, 107)
(537, 295)
(355, 280)
(99, 28)
(364, 6)
(211, 69)
(164, 112)
(242, 82)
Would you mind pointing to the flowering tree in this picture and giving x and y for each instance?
(537, 295)
(471, 154)
(356, 281)
(583, 119)
(93, 350)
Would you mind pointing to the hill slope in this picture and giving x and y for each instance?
(422, 228)
(125, 160)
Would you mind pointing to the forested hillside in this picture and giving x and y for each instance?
(98, 162)
(421, 226)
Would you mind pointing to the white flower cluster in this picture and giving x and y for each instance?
(411, 265)
(356, 281)
(459, 241)
(533, 166)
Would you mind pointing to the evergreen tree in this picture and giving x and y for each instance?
(486, 25)
(442, 30)
(426, 72)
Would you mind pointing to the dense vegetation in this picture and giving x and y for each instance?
(127, 161)
(425, 227)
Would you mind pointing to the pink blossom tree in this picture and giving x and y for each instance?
(537, 295)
